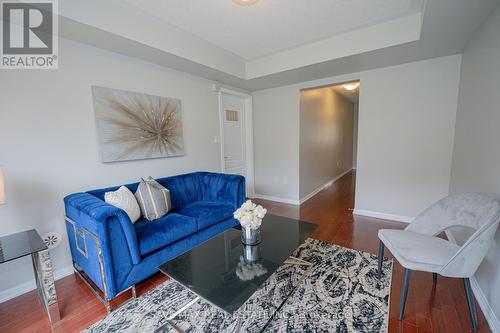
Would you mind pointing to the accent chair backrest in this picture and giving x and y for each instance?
(470, 255)
(477, 211)
(473, 210)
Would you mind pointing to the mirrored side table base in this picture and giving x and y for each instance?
(26, 243)
(44, 277)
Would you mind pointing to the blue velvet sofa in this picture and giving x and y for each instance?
(116, 254)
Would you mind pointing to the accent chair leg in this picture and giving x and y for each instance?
(470, 304)
(381, 248)
(404, 293)
(434, 279)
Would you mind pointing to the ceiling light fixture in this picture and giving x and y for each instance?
(351, 86)
(245, 2)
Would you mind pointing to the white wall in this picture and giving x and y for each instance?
(406, 128)
(326, 138)
(276, 143)
(355, 137)
(48, 141)
(476, 157)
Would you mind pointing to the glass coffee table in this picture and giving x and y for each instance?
(210, 270)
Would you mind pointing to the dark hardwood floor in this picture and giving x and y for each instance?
(440, 309)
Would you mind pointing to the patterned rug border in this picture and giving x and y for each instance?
(390, 291)
(139, 315)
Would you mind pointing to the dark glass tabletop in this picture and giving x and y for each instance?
(213, 270)
(20, 244)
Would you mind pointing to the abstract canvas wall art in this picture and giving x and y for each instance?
(133, 126)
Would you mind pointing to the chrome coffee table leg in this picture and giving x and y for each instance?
(170, 318)
(292, 261)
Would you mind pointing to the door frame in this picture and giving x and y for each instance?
(247, 125)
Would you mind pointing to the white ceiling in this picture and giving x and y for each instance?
(271, 26)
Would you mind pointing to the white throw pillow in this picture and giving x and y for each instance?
(124, 199)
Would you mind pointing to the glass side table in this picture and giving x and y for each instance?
(26, 243)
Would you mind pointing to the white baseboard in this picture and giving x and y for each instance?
(277, 199)
(318, 189)
(304, 199)
(383, 216)
(482, 300)
(23, 288)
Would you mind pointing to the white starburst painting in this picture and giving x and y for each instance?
(133, 126)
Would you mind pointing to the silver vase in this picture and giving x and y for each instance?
(250, 236)
(251, 253)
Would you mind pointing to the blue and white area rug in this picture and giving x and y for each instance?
(340, 294)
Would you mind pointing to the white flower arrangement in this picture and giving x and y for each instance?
(247, 271)
(250, 215)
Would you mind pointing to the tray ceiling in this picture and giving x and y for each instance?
(271, 26)
(274, 42)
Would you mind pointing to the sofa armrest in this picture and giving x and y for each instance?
(93, 214)
(224, 188)
(111, 249)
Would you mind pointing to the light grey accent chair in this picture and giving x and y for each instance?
(418, 248)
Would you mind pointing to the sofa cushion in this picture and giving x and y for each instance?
(166, 230)
(208, 213)
(184, 189)
(417, 251)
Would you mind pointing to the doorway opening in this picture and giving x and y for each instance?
(328, 135)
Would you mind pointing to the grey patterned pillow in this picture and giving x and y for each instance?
(153, 199)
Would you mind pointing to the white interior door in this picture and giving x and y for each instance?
(233, 134)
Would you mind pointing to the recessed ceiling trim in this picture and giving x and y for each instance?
(124, 20)
(115, 17)
(395, 32)
(100, 23)
(272, 26)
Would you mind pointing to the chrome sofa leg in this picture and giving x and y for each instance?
(104, 300)
(108, 306)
